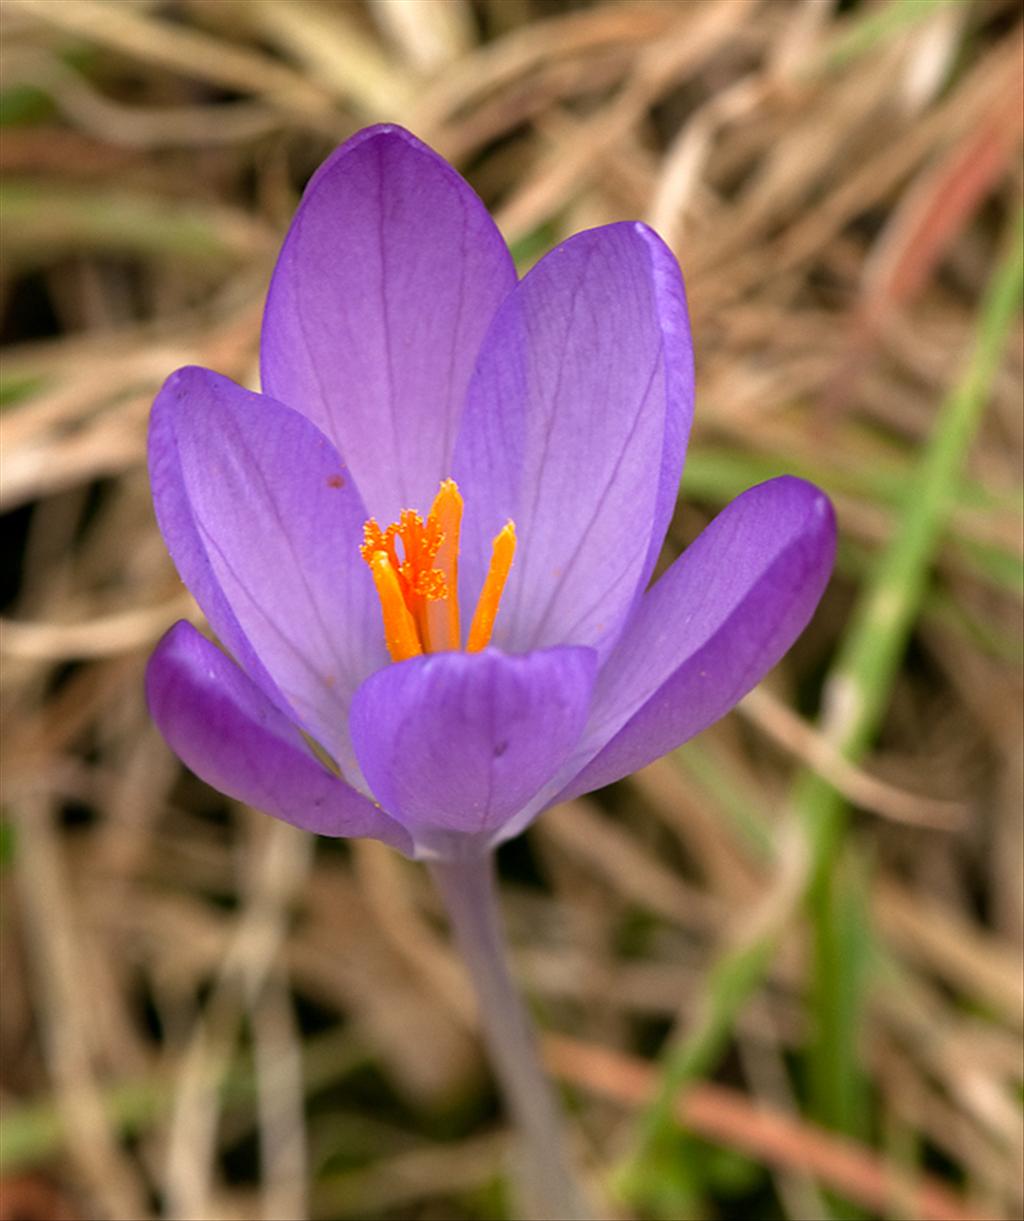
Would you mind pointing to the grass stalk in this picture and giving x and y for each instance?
(857, 695)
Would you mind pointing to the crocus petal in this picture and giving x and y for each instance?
(265, 526)
(575, 428)
(385, 286)
(225, 730)
(711, 628)
(454, 744)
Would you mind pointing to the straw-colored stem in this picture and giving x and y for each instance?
(548, 1185)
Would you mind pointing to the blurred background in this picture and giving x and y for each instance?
(803, 931)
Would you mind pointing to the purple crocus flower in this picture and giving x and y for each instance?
(437, 682)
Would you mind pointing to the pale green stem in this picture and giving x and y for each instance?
(468, 890)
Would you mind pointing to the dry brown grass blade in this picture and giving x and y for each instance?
(184, 50)
(581, 829)
(128, 126)
(957, 949)
(278, 872)
(728, 1117)
(860, 788)
(933, 212)
(383, 879)
(430, 36)
(496, 65)
(336, 53)
(579, 152)
(406, 1179)
(938, 206)
(123, 632)
(63, 997)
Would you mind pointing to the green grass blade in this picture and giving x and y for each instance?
(861, 684)
(858, 693)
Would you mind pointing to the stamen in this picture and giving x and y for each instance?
(502, 551)
(418, 586)
(400, 634)
(442, 613)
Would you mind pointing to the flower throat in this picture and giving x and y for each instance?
(418, 589)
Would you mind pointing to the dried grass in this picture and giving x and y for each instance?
(203, 1017)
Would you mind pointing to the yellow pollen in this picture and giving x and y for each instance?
(418, 583)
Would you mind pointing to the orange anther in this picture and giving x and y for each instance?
(400, 634)
(502, 551)
(442, 613)
(418, 584)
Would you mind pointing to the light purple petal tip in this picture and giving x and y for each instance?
(455, 744)
(385, 286)
(710, 629)
(575, 428)
(265, 526)
(227, 732)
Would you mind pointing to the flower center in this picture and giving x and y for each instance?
(419, 586)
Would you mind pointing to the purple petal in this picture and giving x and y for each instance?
(454, 744)
(265, 526)
(225, 730)
(575, 428)
(387, 281)
(710, 629)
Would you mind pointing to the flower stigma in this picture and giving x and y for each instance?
(418, 586)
